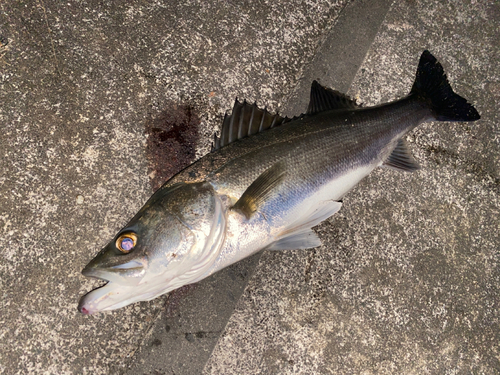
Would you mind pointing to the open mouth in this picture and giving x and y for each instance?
(121, 281)
(114, 295)
(110, 296)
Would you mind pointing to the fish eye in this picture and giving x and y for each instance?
(126, 242)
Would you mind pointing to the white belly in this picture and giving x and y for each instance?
(245, 237)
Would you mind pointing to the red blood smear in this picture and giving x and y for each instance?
(172, 140)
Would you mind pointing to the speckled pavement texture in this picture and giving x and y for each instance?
(407, 280)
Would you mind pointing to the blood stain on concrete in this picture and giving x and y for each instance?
(171, 145)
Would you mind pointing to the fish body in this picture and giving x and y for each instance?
(268, 181)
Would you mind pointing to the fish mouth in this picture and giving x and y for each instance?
(121, 282)
(112, 295)
(129, 273)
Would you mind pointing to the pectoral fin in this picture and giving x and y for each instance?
(259, 190)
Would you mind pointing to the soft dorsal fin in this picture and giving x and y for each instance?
(401, 158)
(325, 99)
(245, 120)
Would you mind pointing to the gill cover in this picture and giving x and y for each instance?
(172, 241)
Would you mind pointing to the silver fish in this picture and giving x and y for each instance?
(267, 182)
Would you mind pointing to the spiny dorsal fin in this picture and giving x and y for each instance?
(325, 99)
(401, 158)
(260, 189)
(245, 120)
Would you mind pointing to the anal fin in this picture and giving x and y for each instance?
(299, 234)
(401, 158)
(302, 240)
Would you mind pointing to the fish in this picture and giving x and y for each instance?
(267, 182)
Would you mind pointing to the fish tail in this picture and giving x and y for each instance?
(432, 86)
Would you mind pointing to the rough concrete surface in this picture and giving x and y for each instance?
(191, 335)
(80, 81)
(407, 280)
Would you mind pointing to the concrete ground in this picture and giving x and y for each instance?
(407, 279)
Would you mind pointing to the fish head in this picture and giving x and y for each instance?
(172, 241)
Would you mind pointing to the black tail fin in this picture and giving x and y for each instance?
(432, 86)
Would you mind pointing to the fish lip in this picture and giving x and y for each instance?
(83, 301)
(88, 272)
(89, 302)
(112, 296)
(119, 273)
(94, 273)
(130, 265)
(100, 273)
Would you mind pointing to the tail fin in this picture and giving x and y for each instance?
(432, 86)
